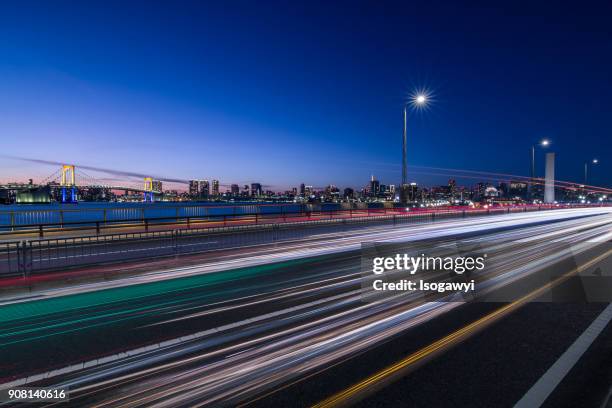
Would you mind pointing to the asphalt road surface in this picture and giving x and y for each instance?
(291, 329)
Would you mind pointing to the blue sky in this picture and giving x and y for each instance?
(284, 93)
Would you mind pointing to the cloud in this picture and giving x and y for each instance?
(113, 172)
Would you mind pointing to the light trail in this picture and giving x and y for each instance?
(448, 341)
(319, 245)
(283, 323)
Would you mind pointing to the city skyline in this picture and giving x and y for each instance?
(465, 178)
(182, 105)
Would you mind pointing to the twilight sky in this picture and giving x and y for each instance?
(283, 93)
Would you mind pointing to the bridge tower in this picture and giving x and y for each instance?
(68, 184)
(148, 190)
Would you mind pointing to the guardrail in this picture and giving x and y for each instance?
(23, 258)
(113, 212)
(257, 217)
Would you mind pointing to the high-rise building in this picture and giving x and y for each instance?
(517, 189)
(374, 187)
(302, 190)
(215, 188)
(331, 192)
(194, 188)
(156, 185)
(198, 188)
(411, 191)
(479, 190)
(235, 190)
(452, 188)
(204, 189)
(256, 190)
(349, 192)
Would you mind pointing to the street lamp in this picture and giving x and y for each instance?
(543, 143)
(586, 169)
(418, 100)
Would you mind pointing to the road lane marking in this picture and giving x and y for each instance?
(542, 389)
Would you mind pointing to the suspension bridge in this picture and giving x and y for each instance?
(69, 181)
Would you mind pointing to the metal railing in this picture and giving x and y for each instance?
(27, 257)
(63, 224)
(84, 214)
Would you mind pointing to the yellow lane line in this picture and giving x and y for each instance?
(344, 396)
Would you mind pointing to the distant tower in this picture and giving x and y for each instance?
(68, 176)
(68, 184)
(549, 179)
(148, 190)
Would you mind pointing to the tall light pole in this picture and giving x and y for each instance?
(543, 143)
(404, 153)
(419, 100)
(586, 170)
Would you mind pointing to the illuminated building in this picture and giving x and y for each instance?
(156, 185)
(204, 189)
(374, 187)
(194, 188)
(518, 189)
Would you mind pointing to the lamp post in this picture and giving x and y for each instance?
(404, 142)
(418, 100)
(586, 170)
(543, 143)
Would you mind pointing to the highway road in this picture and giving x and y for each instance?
(268, 326)
(120, 227)
(245, 249)
(135, 226)
(23, 259)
